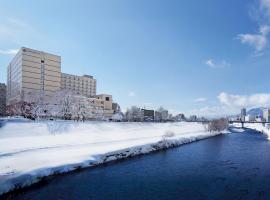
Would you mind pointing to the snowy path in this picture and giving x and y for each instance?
(30, 151)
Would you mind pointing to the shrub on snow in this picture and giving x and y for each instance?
(218, 125)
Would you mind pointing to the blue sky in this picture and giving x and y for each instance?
(206, 57)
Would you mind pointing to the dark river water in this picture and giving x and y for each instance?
(232, 166)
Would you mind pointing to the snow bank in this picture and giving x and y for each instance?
(33, 150)
(258, 127)
(236, 128)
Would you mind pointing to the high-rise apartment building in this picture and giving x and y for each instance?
(2, 99)
(32, 72)
(83, 85)
(35, 76)
(266, 115)
(243, 112)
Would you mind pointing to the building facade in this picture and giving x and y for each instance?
(148, 115)
(2, 99)
(83, 85)
(250, 118)
(193, 118)
(243, 112)
(266, 115)
(108, 102)
(32, 72)
(116, 108)
(93, 107)
(161, 115)
(35, 77)
(180, 117)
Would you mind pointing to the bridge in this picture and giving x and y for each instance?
(232, 121)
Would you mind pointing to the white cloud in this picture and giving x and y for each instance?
(237, 101)
(201, 99)
(17, 22)
(212, 111)
(261, 13)
(131, 94)
(12, 28)
(16, 31)
(258, 41)
(231, 104)
(265, 7)
(214, 64)
(173, 111)
(9, 51)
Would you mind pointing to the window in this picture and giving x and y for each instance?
(107, 98)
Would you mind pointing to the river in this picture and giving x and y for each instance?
(231, 166)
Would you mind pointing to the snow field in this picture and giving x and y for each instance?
(32, 150)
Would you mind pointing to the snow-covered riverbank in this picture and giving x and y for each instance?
(30, 151)
(257, 127)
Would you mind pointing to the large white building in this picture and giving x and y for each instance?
(84, 85)
(33, 74)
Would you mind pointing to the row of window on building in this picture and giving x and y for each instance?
(33, 70)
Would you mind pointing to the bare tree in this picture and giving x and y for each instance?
(66, 106)
(218, 124)
(32, 105)
(164, 114)
(61, 104)
(134, 114)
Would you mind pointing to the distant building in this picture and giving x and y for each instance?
(250, 118)
(32, 71)
(108, 102)
(203, 119)
(258, 118)
(35, 77)
(180, 117)
(148, 115)
(164, 115)
(234, 118)
(266, 115)
(243, 112)
(161, 115)
(116, 108)
(96, 107)
(193, 118)
(2, 99)
(158, 116)
(83, 85)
